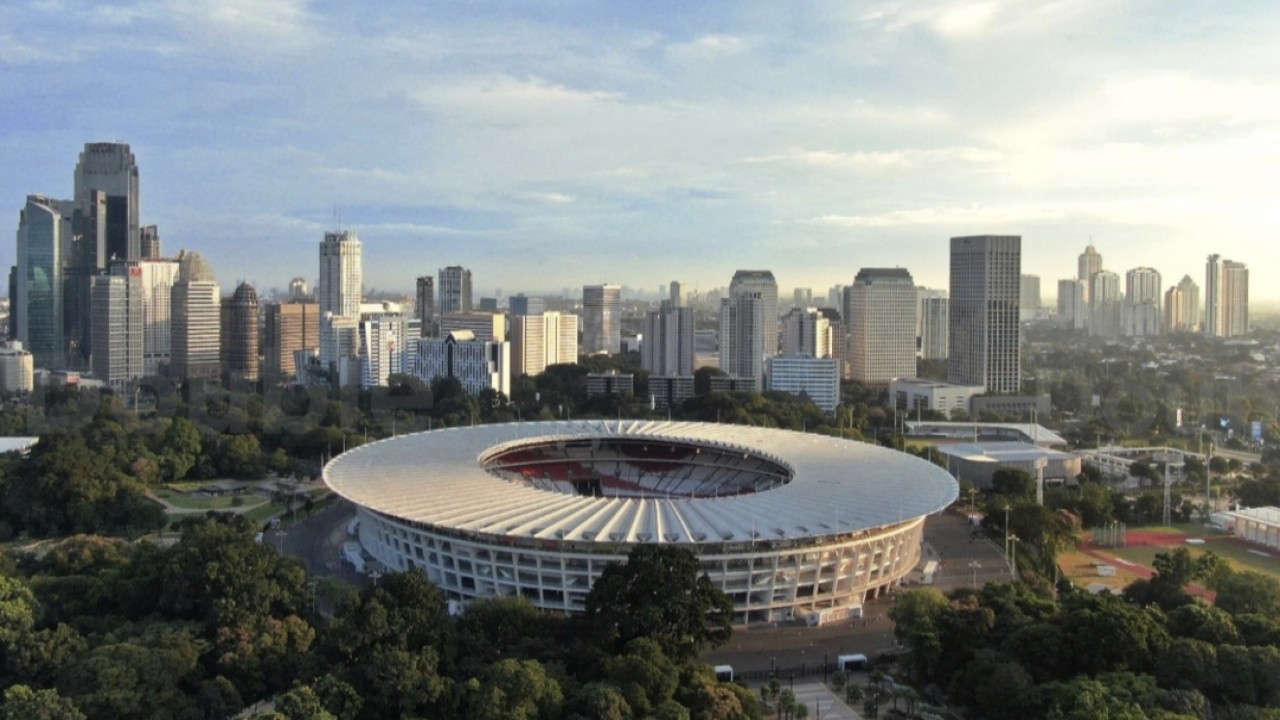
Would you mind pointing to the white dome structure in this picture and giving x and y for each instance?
(785, 523)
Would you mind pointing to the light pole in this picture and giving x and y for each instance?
(1013, 558)
(975, 565)
(1006, 530)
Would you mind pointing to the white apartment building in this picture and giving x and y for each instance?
(882, 325)
(815, 378)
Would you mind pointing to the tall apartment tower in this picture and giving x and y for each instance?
(1072, 310)
(677, 295)
(454, 287)
(43, 232)
(935, 316)
(341, 274)
(1143, 312)
(1226, 297)
(196, 320)
(424, 306)
(1106, 304)
(761, 282)
(985, 336)
(537, 341)
(807, 331)
(110, 168)
(668, 349)
(521, 304)
(240, 334)
(290, 326)
(1087, 265)
(118, 325)
(1182, 306)
(882, 323)
(1029, 297)
(601, 319)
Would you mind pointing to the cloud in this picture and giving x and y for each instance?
(550, 198)
(877, 160)
(706, 48)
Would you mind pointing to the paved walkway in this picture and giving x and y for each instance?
(824, 704)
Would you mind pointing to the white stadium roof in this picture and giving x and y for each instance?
(837, 486)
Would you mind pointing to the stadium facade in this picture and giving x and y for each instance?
(788, 524)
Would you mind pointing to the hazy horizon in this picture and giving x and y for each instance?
(550, 147)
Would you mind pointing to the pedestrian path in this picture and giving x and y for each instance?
(823, 703)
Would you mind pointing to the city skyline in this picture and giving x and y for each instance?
(811, 142)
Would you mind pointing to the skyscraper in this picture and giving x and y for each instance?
(1088, 265)
(668, 349)
(43, 231)
(763, 283)
(149, 242)
(677, 295)
(110, 168)
(1072, 312)
(424, 306)
(158, 277)
(1226, 297)
(521, 304)
(298, 289)
(383, 341)
(454, 287)
(935, 316)
(290, 327)
(1029, 298)
(118, 325)
(882, 326)
(985, 336)
(196, 320)
(1106, 305)
(1182, 306)
(240, 334)
(548, 338)
(341, 274)
(601, 319)
(807, 331)
(1143, 314)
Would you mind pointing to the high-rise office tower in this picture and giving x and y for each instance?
(677, 295)
(801, 297)
(1087, 265)
(43, 232)
(601, 319)
(290, 326)
(1226, 297)
(1182, 306)
(1072, 311)
(807, 331)
(485, 327)
(668, 349)
(1143, 315)
(522, 304)
(341, 274)
(340, 349)
(118, 325)
(240, 334)
(454, 287)
(935, 316)
(149, 242)
(298, 289)
(110, 168)
(424, 306)
(157, 277)
(985, 337)
(537, 341)
(196, 319)
(1105, 305)
(85, 257)
(882, 303)
(1029, 297)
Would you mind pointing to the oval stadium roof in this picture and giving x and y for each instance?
(837, 486)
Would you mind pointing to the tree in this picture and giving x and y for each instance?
(1013, 483)
(660, 593)
(598, 701)
(23, 703)
(302, 703)
(521, 690)
(1248, 592)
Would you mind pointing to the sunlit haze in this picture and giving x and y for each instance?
(548, 146)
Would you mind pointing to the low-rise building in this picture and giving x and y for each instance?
(917, 394)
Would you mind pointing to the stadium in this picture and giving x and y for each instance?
(789, 525)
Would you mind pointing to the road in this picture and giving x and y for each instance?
(317, 542)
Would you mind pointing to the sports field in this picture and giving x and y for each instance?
(1133, 560)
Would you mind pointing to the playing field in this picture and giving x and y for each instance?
(1133, 561)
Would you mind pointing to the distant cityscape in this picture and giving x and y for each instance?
(94, 299)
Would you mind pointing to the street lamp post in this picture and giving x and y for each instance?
(975, 565)
(1006, 530)
(1013, 557)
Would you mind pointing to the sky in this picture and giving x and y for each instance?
(551, 145)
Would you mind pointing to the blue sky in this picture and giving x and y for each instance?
(555, 144)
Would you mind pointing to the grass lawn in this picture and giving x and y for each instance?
(224, 502)
(1080, 566)
(261, 513)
